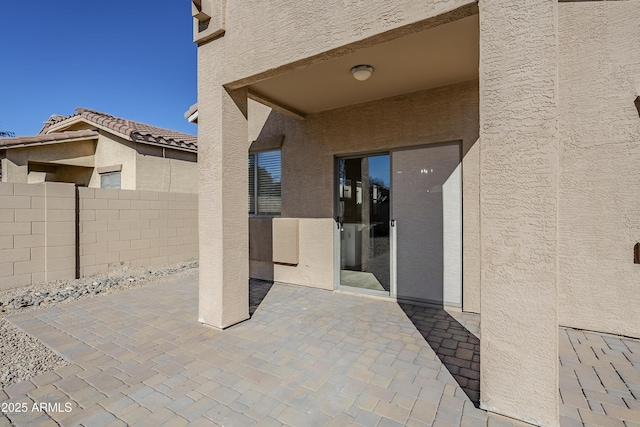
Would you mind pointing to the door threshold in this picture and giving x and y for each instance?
(365, 293)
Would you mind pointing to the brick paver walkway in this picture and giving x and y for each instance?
(599, 379)
(307, 357)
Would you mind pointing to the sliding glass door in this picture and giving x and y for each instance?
(411, 248)
(363, 222)
(427, 213)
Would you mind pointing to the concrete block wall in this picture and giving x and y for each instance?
(60, 230)
(37, 233)
(47, 233)
(134, 228)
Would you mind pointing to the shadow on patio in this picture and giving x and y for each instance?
(456, 347)
(258, 290)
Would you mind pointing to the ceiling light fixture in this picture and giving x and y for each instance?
(362, 72)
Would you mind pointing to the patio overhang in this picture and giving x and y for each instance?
(404, 61)
(512, 55)
(81, 161)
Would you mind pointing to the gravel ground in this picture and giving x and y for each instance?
(22, 356)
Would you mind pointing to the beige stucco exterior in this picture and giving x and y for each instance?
(519, 209)
(171, 170)
(112, 150)
(314, 267)
(549, 136)
(80, 153)
(309, 149)
(599, 180)
(142, 167)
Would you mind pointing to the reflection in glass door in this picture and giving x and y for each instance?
(363, 219)
(427, 211)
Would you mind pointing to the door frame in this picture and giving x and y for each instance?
(336, 234)
(459, 142)
(393, 242)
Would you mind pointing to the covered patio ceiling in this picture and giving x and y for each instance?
(439, 56)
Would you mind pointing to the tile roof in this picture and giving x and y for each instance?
(44, 138)
(136, 131)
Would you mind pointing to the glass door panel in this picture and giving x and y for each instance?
(363, 217)
(427, 212)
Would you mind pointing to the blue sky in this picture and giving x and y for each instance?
(129, 58)
(379, 168)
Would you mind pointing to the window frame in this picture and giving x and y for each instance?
(111, 173)
(255, 199)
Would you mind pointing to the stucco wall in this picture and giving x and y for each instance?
(518, 198)
(516, 161)
(299, 30)
(3, 165)
(79, 153)
(223, 193)
(144, 167)
(12, 172)
(310, 146)
(160, 169)
(79, 175)
(315, 255)
(599, 181)
(111, 151)
(297, 34)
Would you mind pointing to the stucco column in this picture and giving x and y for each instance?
(12, 172)
(518, 184)
(223, 194)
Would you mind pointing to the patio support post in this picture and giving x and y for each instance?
(519, 205)
(223, 194)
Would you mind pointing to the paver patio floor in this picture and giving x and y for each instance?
(307, 357)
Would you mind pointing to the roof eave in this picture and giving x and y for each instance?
(61, 125)
(55, 141)
(171, 147)
(77, 119)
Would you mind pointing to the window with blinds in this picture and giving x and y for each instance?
(252, 184)
(265, 196)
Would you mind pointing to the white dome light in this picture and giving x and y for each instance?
(362, 72)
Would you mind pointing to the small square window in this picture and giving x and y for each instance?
(110, 180)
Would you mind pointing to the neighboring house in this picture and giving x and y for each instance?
(489, 163)
(94, 149)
